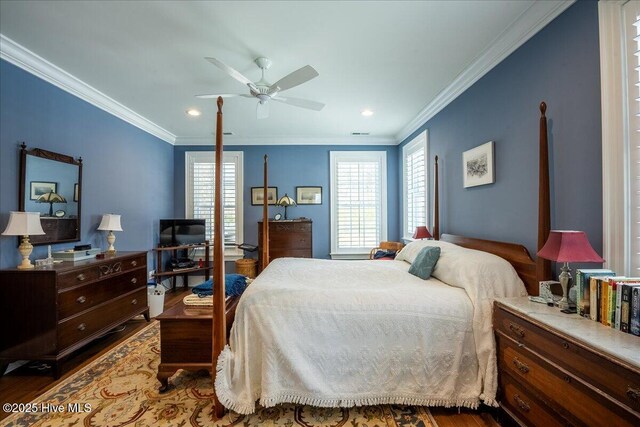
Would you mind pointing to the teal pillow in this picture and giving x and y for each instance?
(425, 262)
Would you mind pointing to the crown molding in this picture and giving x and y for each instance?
(287, 140)
(532, 20)
(23, 58)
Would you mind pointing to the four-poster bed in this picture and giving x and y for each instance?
(269, 365)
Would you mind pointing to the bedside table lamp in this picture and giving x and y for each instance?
(110, 223)
(51, 198)
(568, 246)
(286, 201)
(422, 232)
(24, 224)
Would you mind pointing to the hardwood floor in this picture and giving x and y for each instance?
(27, 382)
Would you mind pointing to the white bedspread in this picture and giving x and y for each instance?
(345, 333)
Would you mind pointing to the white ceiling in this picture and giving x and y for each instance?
(403, 59)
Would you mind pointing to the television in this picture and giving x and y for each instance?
(178, 232)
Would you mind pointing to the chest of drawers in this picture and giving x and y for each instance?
(50, 312)
(290, 238)
(558, 369)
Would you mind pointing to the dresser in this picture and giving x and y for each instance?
(49, 312)
(557, 369)
(288, 238)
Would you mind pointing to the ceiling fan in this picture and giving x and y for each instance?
(266, 91)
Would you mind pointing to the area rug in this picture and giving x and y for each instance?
(120, 389)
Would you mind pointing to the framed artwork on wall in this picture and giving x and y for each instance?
(38, 188)
(257, 193)
(477, 166)
(309, 195)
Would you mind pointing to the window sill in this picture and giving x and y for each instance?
(347, 256)
(230, 254)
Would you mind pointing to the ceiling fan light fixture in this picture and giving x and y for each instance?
(193, 112)
(367, 113)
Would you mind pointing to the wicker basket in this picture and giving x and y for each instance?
(246, 267)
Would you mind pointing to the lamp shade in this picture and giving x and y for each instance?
(23, 224)
(569, 246)
(51, 197)
(110, 222)
(286, 201)
(422, 232)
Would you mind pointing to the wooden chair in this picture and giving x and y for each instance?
(386, 246)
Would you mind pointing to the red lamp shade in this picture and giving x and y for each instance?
(569, 246)
(422, 233)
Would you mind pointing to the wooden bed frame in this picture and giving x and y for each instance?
(530, 271)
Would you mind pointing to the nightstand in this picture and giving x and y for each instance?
(560, 369)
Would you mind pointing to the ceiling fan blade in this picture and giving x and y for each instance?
(296, 78)
(224, 95)
(262, 110)
(304, 103)
(232, 72)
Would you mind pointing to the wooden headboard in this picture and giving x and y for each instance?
(517, 255)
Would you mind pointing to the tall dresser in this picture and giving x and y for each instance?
(49, 312)
(288, 238)
(557, 369)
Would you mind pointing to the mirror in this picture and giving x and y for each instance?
(51, 183)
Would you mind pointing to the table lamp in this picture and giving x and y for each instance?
(286, 201)
(24, 224)
(51, 198)
(110, 223)
(568, 246)
(422, 232)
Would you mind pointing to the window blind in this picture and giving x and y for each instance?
(415, 184)
(632, 26)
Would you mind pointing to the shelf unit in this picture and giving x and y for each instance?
(161, 273)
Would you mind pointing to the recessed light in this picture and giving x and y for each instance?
(193, 112)
(367, 113)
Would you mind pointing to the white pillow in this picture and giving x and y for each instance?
(411, 251)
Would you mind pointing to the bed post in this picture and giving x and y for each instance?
(265, 219)
(543, 267)
(436, 205)
(219, 327)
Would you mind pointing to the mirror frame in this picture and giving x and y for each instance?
(38, 152)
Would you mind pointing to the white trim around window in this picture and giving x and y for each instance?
(358, 182)
(415, 185)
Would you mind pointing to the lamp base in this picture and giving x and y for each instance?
(25, 250)
(111, 239)
(565, 279)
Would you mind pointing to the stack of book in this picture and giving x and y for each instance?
(611, 300)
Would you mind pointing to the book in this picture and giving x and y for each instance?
(625, 309)
(594, 297)
(603, 285)
(617, 285)
(583, 288)
(634, 316)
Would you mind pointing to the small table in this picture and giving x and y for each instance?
(186, 338)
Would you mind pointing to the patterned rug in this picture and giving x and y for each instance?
(120, 389)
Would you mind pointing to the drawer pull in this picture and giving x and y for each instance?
(81, 299)
(565, 345)
(634, 394)
(516, 330)
(82, 327)
(81, 277)
(134, 263)
(134, 301)
(567, 379)
(521, 403)
(134, 280)
(522, 367)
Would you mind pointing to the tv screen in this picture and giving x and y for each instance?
(177, 232)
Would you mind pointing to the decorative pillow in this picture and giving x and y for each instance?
(412, 249)
(234, 285)
(425, 262)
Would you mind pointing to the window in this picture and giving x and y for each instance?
(414, 185)
(199, 195)
(619, 63)
(358, 202)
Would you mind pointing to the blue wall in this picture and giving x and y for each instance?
(560, 65)
(291, 166)
(125, 170)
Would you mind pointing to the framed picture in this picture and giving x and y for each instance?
(38, 188)
(75, 193)
(257, 192)
(477, 165)
(309, 195)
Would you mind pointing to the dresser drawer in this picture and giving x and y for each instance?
(525, 406)
(97, 271)
(567, 394)
(290, 241)
(77, 299)
(74, 329)
(291, 227)
(621, 383)
(293, 253)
